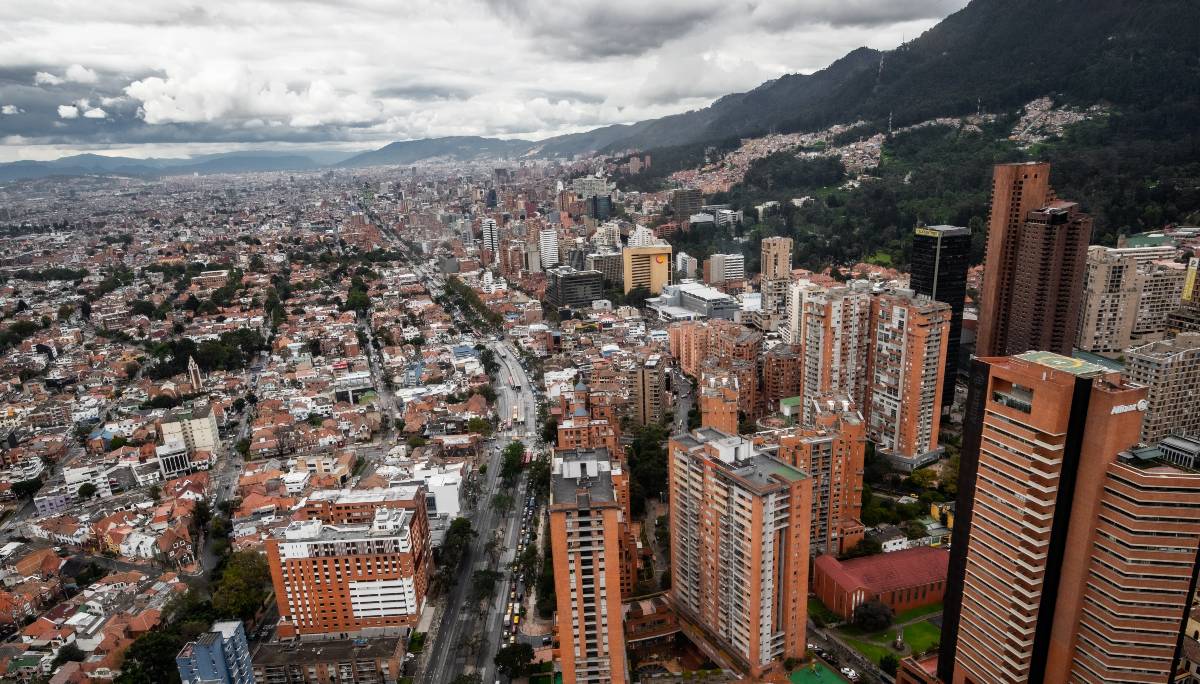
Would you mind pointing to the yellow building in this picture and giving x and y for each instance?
(648, 267)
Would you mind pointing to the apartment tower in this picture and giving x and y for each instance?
(650, 391)
(586, 519)
(832, 453)
(1073, 553)
(1170, 371)
(908, 347)
(941, 256)
(835, 336)
(740, 526)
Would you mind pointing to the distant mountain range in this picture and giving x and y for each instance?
(993, 54)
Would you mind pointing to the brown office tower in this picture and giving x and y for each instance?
(909, 341)
(1033, 273)
(586, 523)
(739, 549)
(832, 453)
(1078, 555)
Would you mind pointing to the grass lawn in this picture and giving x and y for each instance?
(921, 635)
(873, 651)
(917, 612)
(821, 675)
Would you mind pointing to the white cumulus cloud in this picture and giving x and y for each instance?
(68, 112)
(9, 110)
(46, 78)
(95, 113)
(77, 73)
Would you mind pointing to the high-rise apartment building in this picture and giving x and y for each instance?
(219, 656)
(740, 526)
(650, 391)
(1062, 569)
(357, 562)
(548, 247)
(835, 335)
(1160, 288)
(941, 256)
(793, 315)
(782, 368)
(689, 345)
(1033, 274)
(648, 267)
(586, 520)
(1170, 371)
(685, 265)
(776, 258)
(1017, 189)
(1110, 300)
(196, 428)
(719, 405)
(489, 235)
(908, 347)
(832, 453)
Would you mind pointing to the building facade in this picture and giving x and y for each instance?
(586, 521)
(835, 334)
(1054, 538)
(739, 548)
(648, 267)
(567, 287)
(941, 256)
(219, 656)
(1170, 370)
(908, 348)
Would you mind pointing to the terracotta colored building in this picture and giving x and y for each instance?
(357, 563)
(910, 337)
(782, 368)
(719, 406)
(739, 548)
(587, 516)
(835, 336)
(901, 580)
(1074, 549)
(1034, 268)
(832, 453)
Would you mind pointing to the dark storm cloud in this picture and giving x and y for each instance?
(782, 16)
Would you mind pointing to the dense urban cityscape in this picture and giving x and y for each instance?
(910, 396)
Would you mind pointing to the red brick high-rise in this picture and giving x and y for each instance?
(1033, 271)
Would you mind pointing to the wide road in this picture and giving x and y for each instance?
(461, 642)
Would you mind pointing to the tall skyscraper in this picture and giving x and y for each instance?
(359, 562)
(1170, 372)
(776, 258)
(648, 267)
(548, 246)
(1062, 569)
(586, 519)
(832, 453)
(782, 367)
(685, 202)
(941, 256)
(722, 268)
(567, 287)
(490, 235)
(650, 391)
(1033, 273)
(219, 656)
(740, 526)
(908, 346)
(835, 335)
(1110, 300)
(793, 316)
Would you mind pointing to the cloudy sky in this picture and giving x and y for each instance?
(172, 78)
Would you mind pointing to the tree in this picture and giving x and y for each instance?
(923, 479)
(479, 426)
(243, 447)
(915, 529)
(68, 653)
(502, 502)
(872, 616)
(243, 586)
(26, 488)
(87, 490)
(865, 547)
(889, 663)
(514, 660)
(483, 584)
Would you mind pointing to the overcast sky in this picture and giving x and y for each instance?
(169, 78)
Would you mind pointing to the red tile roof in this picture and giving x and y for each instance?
(889, 571)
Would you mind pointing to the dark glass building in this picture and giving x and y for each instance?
(940, 257)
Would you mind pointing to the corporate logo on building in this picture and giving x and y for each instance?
(1142, 405)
